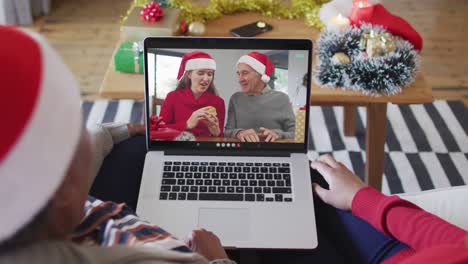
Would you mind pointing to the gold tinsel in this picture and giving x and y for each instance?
(140, 3)
(129, 10)
(300, 9)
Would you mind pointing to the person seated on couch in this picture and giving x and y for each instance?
(46, 168)
(370, 227)
(46, 164)
(355, 223)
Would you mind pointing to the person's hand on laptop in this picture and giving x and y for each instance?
(136, 129)
(343, 183)
(248, 135)
(207, 244)
(268, 134)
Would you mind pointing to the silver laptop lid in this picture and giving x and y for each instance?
(219, 76)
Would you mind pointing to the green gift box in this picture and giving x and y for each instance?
(129, 58)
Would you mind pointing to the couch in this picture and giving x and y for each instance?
(451, 204)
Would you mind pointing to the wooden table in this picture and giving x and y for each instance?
(131, 86)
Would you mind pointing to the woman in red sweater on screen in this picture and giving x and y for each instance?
(194, 106)
(371, 227)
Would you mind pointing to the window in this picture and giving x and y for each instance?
(166, 81)
(281, 80)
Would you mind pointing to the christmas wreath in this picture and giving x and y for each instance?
(367, 59)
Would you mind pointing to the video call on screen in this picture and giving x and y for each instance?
(289, 78)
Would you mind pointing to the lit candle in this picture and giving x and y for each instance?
(338, 23)
(361, 3)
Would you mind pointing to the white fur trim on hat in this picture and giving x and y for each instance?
(256, 65)
(35, 167)
(201, 63)
(265, 78)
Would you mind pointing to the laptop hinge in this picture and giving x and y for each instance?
(244, 153)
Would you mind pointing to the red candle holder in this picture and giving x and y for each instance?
(362, 11)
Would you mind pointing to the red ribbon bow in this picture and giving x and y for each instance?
(151, 12)
(159, 131)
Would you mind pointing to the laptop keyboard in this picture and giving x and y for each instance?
(226, 181)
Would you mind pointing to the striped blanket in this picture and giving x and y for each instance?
(108, 224)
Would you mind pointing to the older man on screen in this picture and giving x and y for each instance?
(258, 112)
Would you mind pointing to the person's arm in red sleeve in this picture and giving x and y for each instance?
(390, 214)
(168, 115)
(167, 109)
(221, 111)
(405, 221)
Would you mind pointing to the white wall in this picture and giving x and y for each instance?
(297, 68)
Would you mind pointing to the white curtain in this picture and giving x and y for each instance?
(21, 12)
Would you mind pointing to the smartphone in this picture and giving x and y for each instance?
(251, 29)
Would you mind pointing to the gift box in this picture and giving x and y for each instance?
(129, 58)
(136, 29)
(159, 131)
(299, 134)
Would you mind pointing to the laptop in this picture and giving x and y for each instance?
(250, 194)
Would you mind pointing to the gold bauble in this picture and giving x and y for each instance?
(196, 28)
(340, 58)
(377, 43)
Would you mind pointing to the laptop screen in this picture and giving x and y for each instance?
(227, 95)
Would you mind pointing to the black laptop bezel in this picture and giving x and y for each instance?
(210, 148)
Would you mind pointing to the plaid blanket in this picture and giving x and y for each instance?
(108, 224)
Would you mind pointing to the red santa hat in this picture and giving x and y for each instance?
(260, 63)
(194, 61)
(379, 15)
(41, 126)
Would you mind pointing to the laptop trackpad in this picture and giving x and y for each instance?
(228, 224)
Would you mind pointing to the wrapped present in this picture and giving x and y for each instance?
(136, 29)
(129, 57)
(299, 134)
(159, 131)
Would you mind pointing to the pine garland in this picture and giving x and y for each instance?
(373, 76)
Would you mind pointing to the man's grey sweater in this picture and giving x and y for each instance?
(271, 109)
